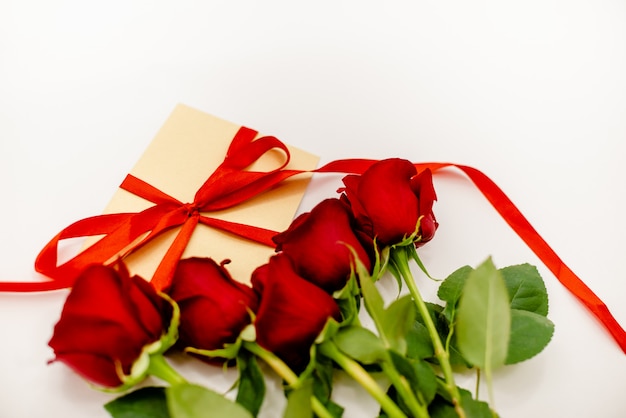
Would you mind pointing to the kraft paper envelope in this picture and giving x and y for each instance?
(187, 149)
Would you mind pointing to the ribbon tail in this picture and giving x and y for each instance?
(162, 277)
(518, 222)
(27, 287)
(165, 271)
(253, 233)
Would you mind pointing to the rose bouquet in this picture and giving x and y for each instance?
(312, 311)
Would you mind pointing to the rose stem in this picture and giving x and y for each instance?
(160, 368)
(354, 370)
(286, 373)
(400, 260)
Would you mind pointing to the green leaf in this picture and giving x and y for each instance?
(148, 402)
(361, 344)
(299, 401)
(530, 334)
(419, 344)
(526, 288)
(397, 319)
(441, 408)
(418, 373)
(187, 400)
(450, 290)
(484, 318)
(456, 358)
(251, 388)
(392, 323)
(323, 385)
(435, 312)
(427, 380)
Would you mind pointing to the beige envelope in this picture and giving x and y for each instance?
(188, 148)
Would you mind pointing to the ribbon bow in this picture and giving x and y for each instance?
(232, 184)
(124, 233)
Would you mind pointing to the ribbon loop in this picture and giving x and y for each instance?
(231, 183)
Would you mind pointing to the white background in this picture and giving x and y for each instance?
(532, 93)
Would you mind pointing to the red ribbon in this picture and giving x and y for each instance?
(232, 184)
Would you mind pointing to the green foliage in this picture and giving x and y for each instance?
(323, 385)
(490, 317)
(530, 330)
(349, 300)
(419, 345)
(192, 401)
(251, 387)
(418, 373)
(484, 320)
(398, 318)
(299, 401)
(530, 334)
(526, 288)
(450, 290)
(374, 303)
(392, 323)
(148, 402)
(361, 344)
(442, 408)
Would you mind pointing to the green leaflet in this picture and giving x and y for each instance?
(530, 333)
(148, 402)
(526, 288)
(484, 319)
(192, 401)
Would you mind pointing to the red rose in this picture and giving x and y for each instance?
(317, 245)
(389, 198)
(292, 312)
(423, 186)
(213, 306)
(108, 319)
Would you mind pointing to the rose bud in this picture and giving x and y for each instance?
(214, 308)
(389, 198)
(108, 321)
(292, 312)
(318, 244)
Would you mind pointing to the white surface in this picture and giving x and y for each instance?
(533, 93)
